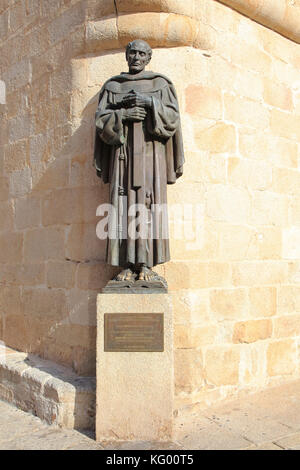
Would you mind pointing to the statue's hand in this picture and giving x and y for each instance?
(137, 99)
(134, 114)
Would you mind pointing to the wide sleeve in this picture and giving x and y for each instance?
(165, 113)
(109, 122)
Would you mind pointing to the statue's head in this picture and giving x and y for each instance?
(138, 55)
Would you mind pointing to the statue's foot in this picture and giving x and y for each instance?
(146, 274)
(125, 275)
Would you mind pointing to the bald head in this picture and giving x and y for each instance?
(138, 55)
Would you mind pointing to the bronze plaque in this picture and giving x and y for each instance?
(133, 332)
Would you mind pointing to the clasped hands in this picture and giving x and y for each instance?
(135, 106)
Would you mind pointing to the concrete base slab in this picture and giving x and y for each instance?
(135, 375)
(52, 392)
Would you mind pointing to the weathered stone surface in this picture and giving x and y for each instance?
(281, 356)
(252, 330)
(53, 393)
(122, 392)
(221, 366)
(239, 96)
(280, 17)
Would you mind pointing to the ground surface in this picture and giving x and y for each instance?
(266, 420)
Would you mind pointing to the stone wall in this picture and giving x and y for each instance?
(237, 288)
(49, 250)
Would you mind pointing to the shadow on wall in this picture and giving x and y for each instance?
(63, 265)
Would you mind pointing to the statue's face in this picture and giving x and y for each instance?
(137, 57)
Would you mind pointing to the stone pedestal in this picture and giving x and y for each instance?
(135, 371)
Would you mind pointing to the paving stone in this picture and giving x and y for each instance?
(265, 446)
(141, 445)
(211, 437)
(291, 442)
(248, 423)
(253, 429)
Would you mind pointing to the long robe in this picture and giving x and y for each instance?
(138, 160)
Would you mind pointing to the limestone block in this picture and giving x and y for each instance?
(188, 370)
(45, 302)
(6, 216)
(246, 112)
(252, 330)
(28, 212)
(11, 247)
(52, 392)
(234, 241)
(288, 299)
(71, 205)
(295, 212)
(226, 76)
(61, 26)
(248, 84)
(4, 188)
(20, 182)
(272, 148)
(285, 124)
(10, 301)
(221, 365)
(280, 16)
(18, 75)
(249, 174)
(281, 357)
(76, 335)
(259, 273)
(61, 274)
(193, 239)
(269, 208)
(277, 95)
(191, 307)
(44, 243)
(105, 31)
(229, 204)
(27, 274)
(174, 6)
(195, 275)
(217, 138)
(250, 57)
(266, 243)
(204, 101)
(286, 180)
(82, 243)
(206, 37)
(97, 9)
(51, 175)
(4, 25)
(94, 275)
(81, 307)
(294, 272)
(17, 14)
(16, 156)
(18, 335)
(290, 243)
(229, 304)
(263, 301)
(191, 336)
(287, 326)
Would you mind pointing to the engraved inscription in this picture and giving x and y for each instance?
(133, 332)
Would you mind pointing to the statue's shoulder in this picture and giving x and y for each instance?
(113, 84)
(116, 83)
(161, 81)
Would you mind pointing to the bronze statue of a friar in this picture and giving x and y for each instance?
(138, 151)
